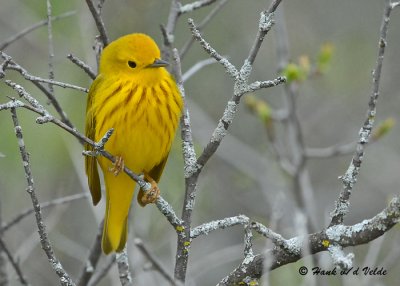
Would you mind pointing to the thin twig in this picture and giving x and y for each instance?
(241, 87)
(50, 97)
(276, 238)
(196, 68)
(86, 68)
(201, 26)
(4, 66)
(332, 151)
(27, 212)
(265, 25)
(24, 32)
(169, 29)
(166, 209)
(125, 275)
(99, 22)
(350, 177)
(230, 68)
(44, 240)
(93, 258)
(206, 228)
(4, 275)
(50, 45)
(195, 5)
(51, 82)
(14, 263)
(154, 261)
(295, 163)
(100, 274)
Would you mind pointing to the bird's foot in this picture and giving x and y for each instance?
(150, 196)
(118, 165)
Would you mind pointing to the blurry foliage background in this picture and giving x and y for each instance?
(331, 109)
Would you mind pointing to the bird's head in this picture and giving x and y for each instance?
(132, 55)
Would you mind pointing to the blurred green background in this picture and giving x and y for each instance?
(243, 177)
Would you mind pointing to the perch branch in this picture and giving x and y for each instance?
(161, 204)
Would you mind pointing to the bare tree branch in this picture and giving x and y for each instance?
(82, 65)
(4, 279)
(219, 5)
(230, 69)
(44, 80)
(44, 240)
(50, 45)
(93, 258)
(24, 32)
(51, 98)
(189, 158)
(195, 5)
(241, 87)
(197, 67)
(161, 204)
(265, 25)
(193, 166)
(14, 264)
(206, 228)
(350, 177)
(99, 22)
(344, 236)
(55, 202)
(123, 268)
(335, 150)
(101, 273)
(332, 239)
(154, 261)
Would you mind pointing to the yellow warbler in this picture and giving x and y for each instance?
(135, 95)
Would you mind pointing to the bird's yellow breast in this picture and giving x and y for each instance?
(144, 115)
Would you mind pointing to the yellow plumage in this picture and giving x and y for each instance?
(135, 95)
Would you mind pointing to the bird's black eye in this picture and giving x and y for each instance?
(131, 64)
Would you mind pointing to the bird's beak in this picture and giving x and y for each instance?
(158, 63)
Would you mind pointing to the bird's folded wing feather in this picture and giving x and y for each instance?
(90, 161)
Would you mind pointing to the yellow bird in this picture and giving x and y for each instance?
(134, 94)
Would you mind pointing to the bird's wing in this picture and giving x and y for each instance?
(90, 161)
(156, 171)
(155, 174)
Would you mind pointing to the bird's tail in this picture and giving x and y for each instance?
(119, 191)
